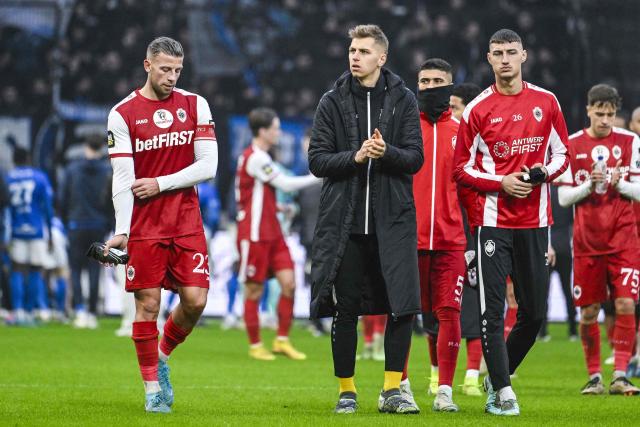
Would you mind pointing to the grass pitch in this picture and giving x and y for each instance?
(55, 375)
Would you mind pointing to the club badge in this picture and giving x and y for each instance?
(181, 114)
(617, 152)
(537, 113)
(489, 248)
(131, 273)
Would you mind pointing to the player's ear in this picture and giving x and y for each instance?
(147, 65)
(524, 56)
(382, 60)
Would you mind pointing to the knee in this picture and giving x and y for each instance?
(149, 307)
(625, 306)
(589, 314)
(288, 287)
(196, 305)
(445, 314)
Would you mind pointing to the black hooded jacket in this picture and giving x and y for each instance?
(334, 142)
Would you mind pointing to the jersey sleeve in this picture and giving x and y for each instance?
(565, 179)
(205, 130)
(118, 137)
(558, 144)
(466, 171)
(634, 166)
(261, 167)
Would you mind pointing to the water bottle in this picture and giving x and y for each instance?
(601, 165)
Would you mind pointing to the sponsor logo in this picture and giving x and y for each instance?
(142, 121)
(617, 152)
(111, 141)
(546, 258)
(170, 139)
(581, 156)
(268, 169)
(537, 113)
(163, 118)
(131, 273)
(600, 150)
(526, 145)
(489, 248)
(182, 115)
(496, 120)
(581, 176)
(453, 141)
(501, 149)
(577, 292)
(251, 270)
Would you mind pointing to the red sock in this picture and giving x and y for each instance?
(379, 324)
(173, 335)
(590, 336)
(367, 323)
(474, 353)
(433, 353)
(285, 315)
(623, 335)
(251, 320)
(510, 320)
(448, 344)
(610, 330)
(145, 338)
(405, 371)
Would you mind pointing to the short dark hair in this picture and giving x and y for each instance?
(602, 94)
(95, 142)
(466, 91)
(260, 118)
(165, 45)
(505, 35)
(20, 156)
(436, 64)
(370, 30)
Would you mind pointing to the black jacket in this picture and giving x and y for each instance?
(332, 150)
(85, 196)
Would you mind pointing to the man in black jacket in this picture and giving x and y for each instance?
(366, 144)
(86, 209)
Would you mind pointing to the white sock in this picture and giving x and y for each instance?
(597, 374)
(618, 374)
(282, 338)
(472, 373)
(151, 387)
(405, 382)
(506, 393)
(256, 345)
(434, 369)
(446, 389)
(162, 356)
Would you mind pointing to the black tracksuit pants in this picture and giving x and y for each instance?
(359, 290)
(520, 253)
(564, 265)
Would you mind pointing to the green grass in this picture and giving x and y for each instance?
(54, 375)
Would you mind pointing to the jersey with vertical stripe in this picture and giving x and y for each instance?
(255, 198)
(603, 223)
(438, 214)
(160, 137)
(30, 202)
(499, 134)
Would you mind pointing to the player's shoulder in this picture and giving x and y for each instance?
(541, 92)
(478, 102)
(127, 101)
(627, 134)
(577, 135)
(189, 95)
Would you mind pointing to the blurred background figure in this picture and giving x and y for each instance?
(86, 208)
(56, 265)
(31, 212)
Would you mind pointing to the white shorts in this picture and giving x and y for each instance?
(29, 252)
(58, 257)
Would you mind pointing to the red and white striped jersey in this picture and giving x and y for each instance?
(160, 137)
(438, 214)
(255, 198)
(603, 223)
(498, 135)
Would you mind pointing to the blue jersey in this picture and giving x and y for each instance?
(209, 204)
(30, 202)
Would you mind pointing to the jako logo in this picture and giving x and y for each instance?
(142, 121)
(496, 120)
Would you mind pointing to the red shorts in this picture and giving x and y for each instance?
(597, 279)
(441, 279)
(259, 260)
(168, 263)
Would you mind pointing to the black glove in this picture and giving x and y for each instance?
(534, 176)
(115, 256)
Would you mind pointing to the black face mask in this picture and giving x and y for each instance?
(434, 101)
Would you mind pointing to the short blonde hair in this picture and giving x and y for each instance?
(370, 30)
